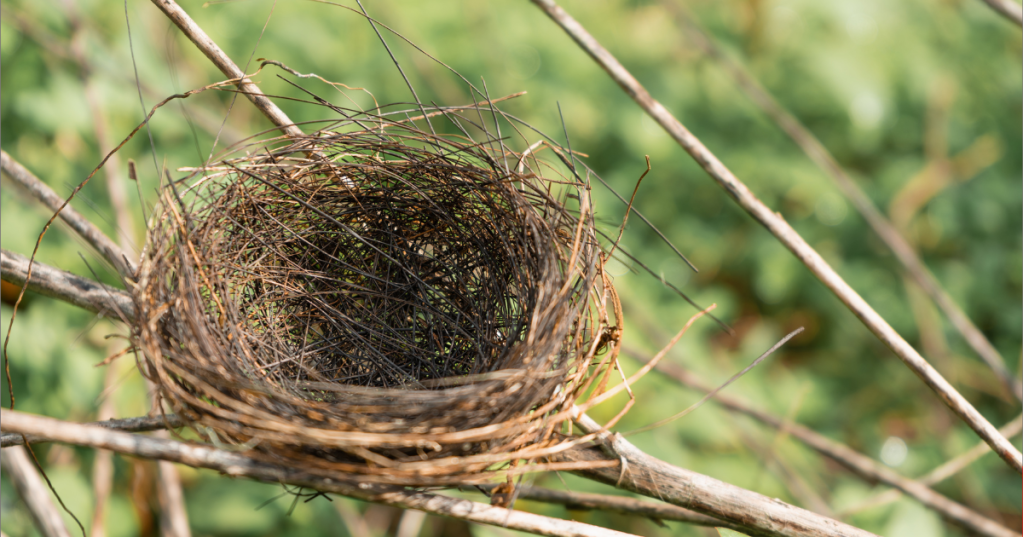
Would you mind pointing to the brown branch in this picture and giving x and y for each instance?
(646, 475)
(106, 247)
(1007, 9)
(788, 236)
(53, 282)
(884, 229)
(196, 34)
(23, 474)
(238, 465)
(619, 504)
(860, 464)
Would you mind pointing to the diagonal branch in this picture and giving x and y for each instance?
(619, 504)
(860, 464)
(646, 475)
(238, 465)
(884, 229)
(196, 34)
(940, 473)
(103, 244)
(1007, 9)
(777, 225)
(53, 282)
(23, 474)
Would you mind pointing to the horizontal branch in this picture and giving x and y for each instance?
(81, 225)
(53, 282)
(128, 425)
(646, 475)
(236, 464)
(777, 225)
(179, 17)
(860, 464)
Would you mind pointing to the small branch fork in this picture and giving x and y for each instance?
(777, 225)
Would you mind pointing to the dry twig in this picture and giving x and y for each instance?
(860, 464)
(884, 229)
(53, 282)
(238, 465)
(196, 34)
(619, 504)
(646, 475)
(789, 237)
(22, 473)
(106, 247)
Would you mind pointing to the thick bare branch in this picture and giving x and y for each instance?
(619, 504)
(33, 491)
(226, 66)
(788, 236)
(646, 475)
(238, 465)
(855, 461)
(53, 282)
(106, 247)
(884, 229)
(1007, 9)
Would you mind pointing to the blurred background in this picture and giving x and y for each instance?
(919, 100)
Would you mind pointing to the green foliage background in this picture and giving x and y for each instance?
(891, 88)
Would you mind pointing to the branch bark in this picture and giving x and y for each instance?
(103, 244)
(620, 504)
(33, 491)
(238, 465)
(1007, 9)
(646, 475)
(180, 18)
(860, 464)
(884, 229)
(53, 282)
(777, 225)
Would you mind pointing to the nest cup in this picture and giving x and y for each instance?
(378, 301)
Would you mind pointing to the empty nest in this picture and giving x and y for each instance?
(377, 302)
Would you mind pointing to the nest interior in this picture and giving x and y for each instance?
(403, 306)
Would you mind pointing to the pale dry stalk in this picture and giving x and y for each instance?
(777, 225)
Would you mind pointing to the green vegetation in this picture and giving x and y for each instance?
(918, 100)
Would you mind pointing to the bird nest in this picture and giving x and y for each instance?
(378, 302)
